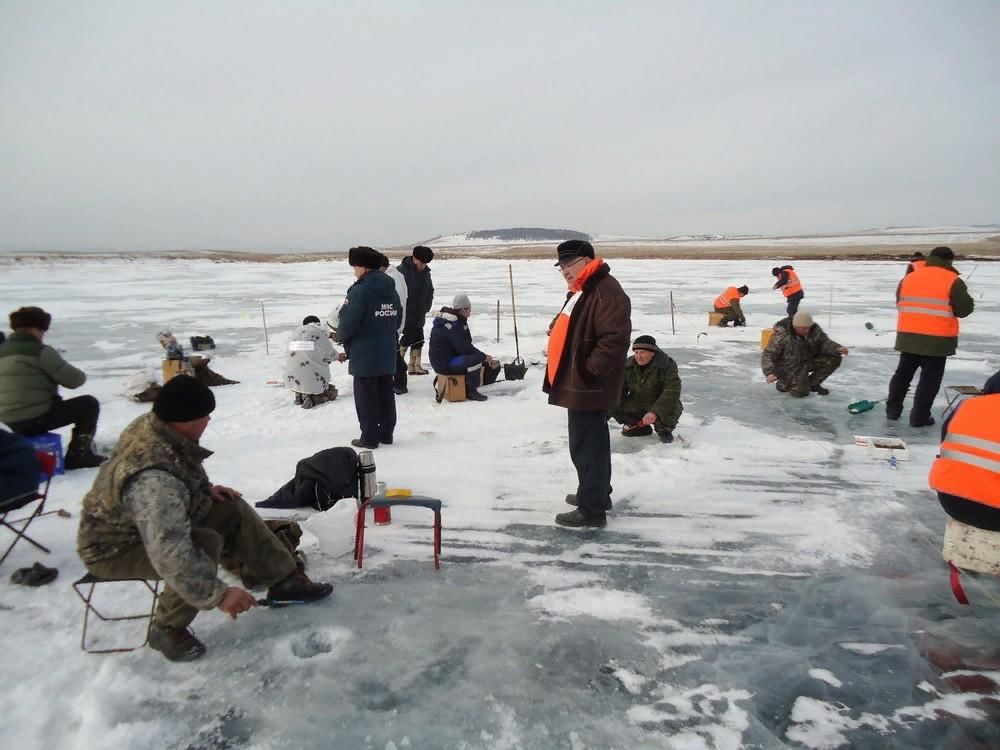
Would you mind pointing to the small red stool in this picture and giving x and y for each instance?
(381, 501)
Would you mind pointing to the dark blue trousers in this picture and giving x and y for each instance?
(793, 303)
(590, 449)
(375, 403)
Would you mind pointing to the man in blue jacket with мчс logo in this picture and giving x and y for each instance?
(367, 328)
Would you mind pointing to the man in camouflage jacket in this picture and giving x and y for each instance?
(651, 393)
(800, 356)
(153, 513)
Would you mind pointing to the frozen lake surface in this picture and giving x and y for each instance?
(762, 583)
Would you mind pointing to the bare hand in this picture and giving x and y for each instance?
(342, 357)
(771, 378)
(842, 351)
(222, 494)
(648, 418)
(236, 601)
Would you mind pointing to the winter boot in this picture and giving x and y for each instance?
(571, 499)
(177, 644)
(298, 588)
(576, 519)
(666, 436)
(473, 394)
(820, 390)
(415, 368)
(80, 453)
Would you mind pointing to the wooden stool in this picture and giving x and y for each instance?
(715, 318)
(88, 607)
(381, 501)
(449, 388)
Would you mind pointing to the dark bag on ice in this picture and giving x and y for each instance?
(319, 482)
(515, 370)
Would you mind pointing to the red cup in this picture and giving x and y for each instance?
(382, 516)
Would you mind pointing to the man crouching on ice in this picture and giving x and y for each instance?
(152, 513)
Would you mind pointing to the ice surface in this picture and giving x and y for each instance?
(760, 583)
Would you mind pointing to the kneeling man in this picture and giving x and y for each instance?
(152, 513)
(651, 393)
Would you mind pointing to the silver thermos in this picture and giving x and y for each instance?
(366, 475)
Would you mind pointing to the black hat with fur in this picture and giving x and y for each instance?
(30, 317)
(365, 257)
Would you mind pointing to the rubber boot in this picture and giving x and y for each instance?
(80, 453)
(415, 368)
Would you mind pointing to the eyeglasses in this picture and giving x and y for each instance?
(569, 264)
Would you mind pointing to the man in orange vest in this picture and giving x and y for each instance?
(588, 341)
(728, 305)
(790, 285)
(929, 302)
(966, 473)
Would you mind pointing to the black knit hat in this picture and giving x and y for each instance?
(743, 289)
(423, 254)
(571, 249)
(30, 317)
(992, 385)
(776, 271)
(309, 319)
(644, 342)
(183, 399)
(365, 257)
(945, 253)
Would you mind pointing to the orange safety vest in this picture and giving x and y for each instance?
(726, 298)
(793, 285)
(924, 304)
(969, 463)
(915, 264)
(560, 329)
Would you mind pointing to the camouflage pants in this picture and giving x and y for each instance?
(799, 381)
(729, 315)
(232, 533)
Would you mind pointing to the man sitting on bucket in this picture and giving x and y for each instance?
(452, 352)
(800, 356)
(152, 513)
(651, 393)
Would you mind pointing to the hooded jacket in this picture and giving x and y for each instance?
(450, 337)
(307, 363)
(30, 375)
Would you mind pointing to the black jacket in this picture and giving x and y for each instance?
(419, 293)
(319, 482)
(450, 337)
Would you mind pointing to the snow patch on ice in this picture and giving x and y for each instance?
(826, 676)
(604, 604)
(868, 649)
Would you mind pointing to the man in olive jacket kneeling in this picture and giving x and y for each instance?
(651, 393)
(153, 513)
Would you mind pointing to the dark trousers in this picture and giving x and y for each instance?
(590, 450)
(792, 306)
(971, 514)
(931, 374)
(412, 336)
(375, 403)
(81, 412)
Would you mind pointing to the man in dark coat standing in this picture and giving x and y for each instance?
(367, 329)
(588, 341)
(419, 298)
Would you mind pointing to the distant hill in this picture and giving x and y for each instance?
(512, 234)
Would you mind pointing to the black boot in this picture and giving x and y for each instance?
(298, 588)
(473, 394)
(577, 519)
(80, 453)
(177, 644)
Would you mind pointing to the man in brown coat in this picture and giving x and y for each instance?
(588, 341)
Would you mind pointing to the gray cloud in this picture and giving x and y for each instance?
(314, 125)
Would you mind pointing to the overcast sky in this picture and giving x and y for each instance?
(320, 125)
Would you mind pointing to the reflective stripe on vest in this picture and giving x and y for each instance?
(924, 304)
(557, 337)
(793, 286)
(726, 298)
(969, 463)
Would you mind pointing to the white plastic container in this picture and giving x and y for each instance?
(883, 447)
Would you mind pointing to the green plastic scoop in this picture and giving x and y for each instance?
(864, 405)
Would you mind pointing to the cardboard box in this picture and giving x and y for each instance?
(715, 318)
(765, 337)
(450, 388)
(172, 367)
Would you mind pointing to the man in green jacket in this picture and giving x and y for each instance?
(153, 513)
(926, 351)
(30, 376)
(651, 393)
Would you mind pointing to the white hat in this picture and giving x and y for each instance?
(461, 301)
(802, 319)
